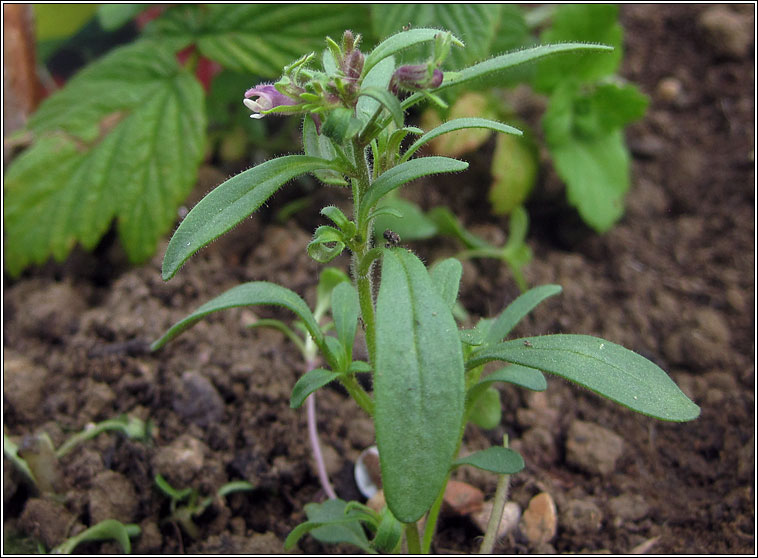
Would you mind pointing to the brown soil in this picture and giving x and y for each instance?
(673, 281)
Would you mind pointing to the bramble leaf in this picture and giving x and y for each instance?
(607, 369)
(259, 39)
(121, 140)
(418, 385)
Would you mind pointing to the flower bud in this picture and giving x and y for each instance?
(415, 77)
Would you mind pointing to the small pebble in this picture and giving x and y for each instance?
(628, 507)
(581, 517)
(669, 89)
(592, 448)
(508, 522)
(728, 33)
(539, 523)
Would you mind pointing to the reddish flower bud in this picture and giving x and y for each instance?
(414, 77)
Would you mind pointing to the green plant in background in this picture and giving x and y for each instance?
(427, 375)
(123, 139)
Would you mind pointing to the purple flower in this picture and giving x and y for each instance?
(414, 77)
(267, 98)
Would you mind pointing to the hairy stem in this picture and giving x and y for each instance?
(493, 525)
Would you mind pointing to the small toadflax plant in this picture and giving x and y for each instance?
(427, 374)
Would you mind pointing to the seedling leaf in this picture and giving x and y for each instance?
(496, 459)
(105, 530)
(607, 369)
(310, 382)
(418, 385)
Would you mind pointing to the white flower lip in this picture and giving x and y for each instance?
(255, 107)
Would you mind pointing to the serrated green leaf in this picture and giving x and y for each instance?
(446, 276)
(473, 24)
(418, 385)
(405, 172)
(113, 16)
(230, 203)
(597, 23)
(496, 459)
(248, 294)
(516, 310)
(345, 311)
(596, 173)
(122, 140)
(256, 38)
(607, 369)
(459, 124)
(310, 382)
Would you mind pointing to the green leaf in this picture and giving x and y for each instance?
(504, 62)
(396, 43)
(122, 140)
(340, 125)
(405, 172)
(336, 216)
(523, 376)
(486, 411)
(446, 276)
(474, 24)
(418, 385)
(516, 310)
(597, 23)
(607, 369)
(448, 224)
(496, 459)
(105, 530)
(328, 522)
(386, 99)
(310, 382)
(248, 294)
(326, 245)
(345, 311)
(514, 173)
(329, 278)
(377, 77)
(259, 39)
(318, 145)
(230, 203)
(403, 217)
(113, 16)
(459, 124)
(389, 533)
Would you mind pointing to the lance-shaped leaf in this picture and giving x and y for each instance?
(405, 172)
(345, 311)
(504, 62)
(516, 310)
(446, 276)
(121, 140)
(418, 385)
(230, 203)
(310, 382)
(388, 100)
(326, 245)
(398, 42)
(607, 369)
(249, 294)
(459, 124)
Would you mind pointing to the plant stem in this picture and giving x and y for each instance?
(431, 521)
(323, 477)
(358, 393)
(493, 525)
(411, 537)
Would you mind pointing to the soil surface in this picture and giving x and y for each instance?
(673, 281)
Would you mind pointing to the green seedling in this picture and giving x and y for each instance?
(427, 374)
(38, 460)
(108, 529)
(186, 504)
